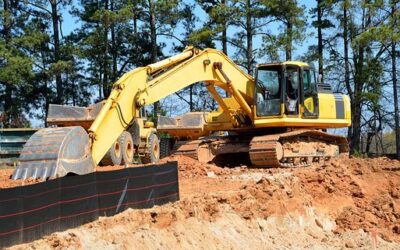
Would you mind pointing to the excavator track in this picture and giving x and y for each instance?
(206, 149)
(187, 148)
(296, 149)
(265, 151)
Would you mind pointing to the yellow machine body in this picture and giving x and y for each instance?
(242, 111)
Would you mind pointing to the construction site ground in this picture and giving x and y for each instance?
(350, 203)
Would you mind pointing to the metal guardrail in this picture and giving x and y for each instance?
(12, 140)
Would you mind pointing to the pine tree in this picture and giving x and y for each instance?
(15, 64)
(220, 17)
(249, 18)
(50, 10)
(394, 22)
(291, 15)
(322, 22)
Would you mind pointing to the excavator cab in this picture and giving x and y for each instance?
(283, 88)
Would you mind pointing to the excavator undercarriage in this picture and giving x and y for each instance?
(291, 149)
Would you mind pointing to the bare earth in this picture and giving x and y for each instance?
(351, 203)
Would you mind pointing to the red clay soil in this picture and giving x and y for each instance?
(7, 182)
(356, 193)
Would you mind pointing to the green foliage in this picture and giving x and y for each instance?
(221, 15)
(114, 36)
(292, 18)
(373, 81)
(288, 12)
(358, 154)
(202, 38)
(16, 67)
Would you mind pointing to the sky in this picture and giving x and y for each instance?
(70, 23)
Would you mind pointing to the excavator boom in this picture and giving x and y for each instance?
(144, 86)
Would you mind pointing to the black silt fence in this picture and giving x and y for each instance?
(30, 212)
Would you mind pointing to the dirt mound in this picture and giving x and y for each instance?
(356, 193)
(350, 203)
(189, 167)
(373, 187)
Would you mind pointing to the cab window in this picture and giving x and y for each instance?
(310, 97)
(309, 82)
(268, 91)
(292, 90)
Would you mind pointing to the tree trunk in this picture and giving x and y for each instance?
(106, 84)
(153, 37)
(320, 42)
(224, 34)
(8, 87)
(368, 143)
(153, 34)
(346, 65)
(356, 126)
(191, 98)
(224, 40)
(56, 38)
(135, 18)
(289, 39)
(7, 22)
(249, 36)
(395, 97)
(356, 105)
(43, 74)
(100, 66)
(358, 58)
(114, 48)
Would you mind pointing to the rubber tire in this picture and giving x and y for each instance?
(153, 150)
(165, 147)
(112, 157)
(127, 149)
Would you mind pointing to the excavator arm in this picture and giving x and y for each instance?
(71, 150)
(146, 85)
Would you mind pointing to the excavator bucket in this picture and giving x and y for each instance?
(55, 152)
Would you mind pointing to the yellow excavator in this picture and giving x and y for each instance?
(278, 118)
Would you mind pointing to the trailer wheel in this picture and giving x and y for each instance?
(153, 150)
(165, 147)
(113, 155)
(127, 148)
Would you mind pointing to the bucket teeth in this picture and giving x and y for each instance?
(54, 152)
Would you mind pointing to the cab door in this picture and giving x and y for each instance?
(268, 91)
(309, 94)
